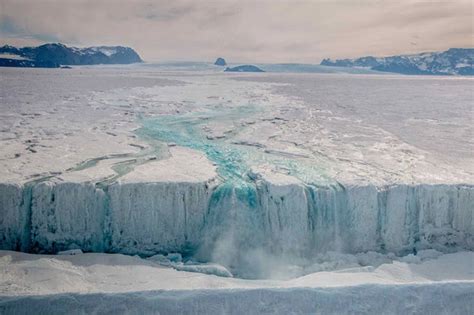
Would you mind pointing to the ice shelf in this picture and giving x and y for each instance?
(241, 171)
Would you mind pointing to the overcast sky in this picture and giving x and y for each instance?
(243, 31)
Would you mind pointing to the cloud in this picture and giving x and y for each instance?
(10, 29)
(244, 31)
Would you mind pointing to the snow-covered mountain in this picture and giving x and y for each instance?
(55, 55)
(454, 61)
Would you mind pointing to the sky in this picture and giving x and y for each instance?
(243, 31)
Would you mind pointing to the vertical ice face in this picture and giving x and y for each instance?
(446, 215)
(66, 216)
(148, 218)
(244, 227)
(14, 216)
(247, 226)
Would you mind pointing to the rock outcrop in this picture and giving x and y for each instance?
(220, 62)
(244, 68)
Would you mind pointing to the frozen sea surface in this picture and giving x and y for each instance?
(243, 170)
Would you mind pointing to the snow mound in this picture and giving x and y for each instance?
(175, 261)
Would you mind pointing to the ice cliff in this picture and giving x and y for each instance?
(234, 225)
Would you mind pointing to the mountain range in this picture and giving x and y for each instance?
(55, 55)
(454, 61)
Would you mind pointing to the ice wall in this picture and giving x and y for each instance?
(14, 216)
(234, 225)
(246, 229)
(147, 218)
(68, 215)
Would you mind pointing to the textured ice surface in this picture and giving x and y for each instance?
(242, 170)
(446, 298)
(120, 284)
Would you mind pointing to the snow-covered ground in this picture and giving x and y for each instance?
(265, 176)
(430, 283)
(355, 128)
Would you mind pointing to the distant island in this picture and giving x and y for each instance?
(56, 55)
(244, 68)
(220, 62)
(454, 61)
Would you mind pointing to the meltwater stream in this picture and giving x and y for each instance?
(234, 216)
(257, 228)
